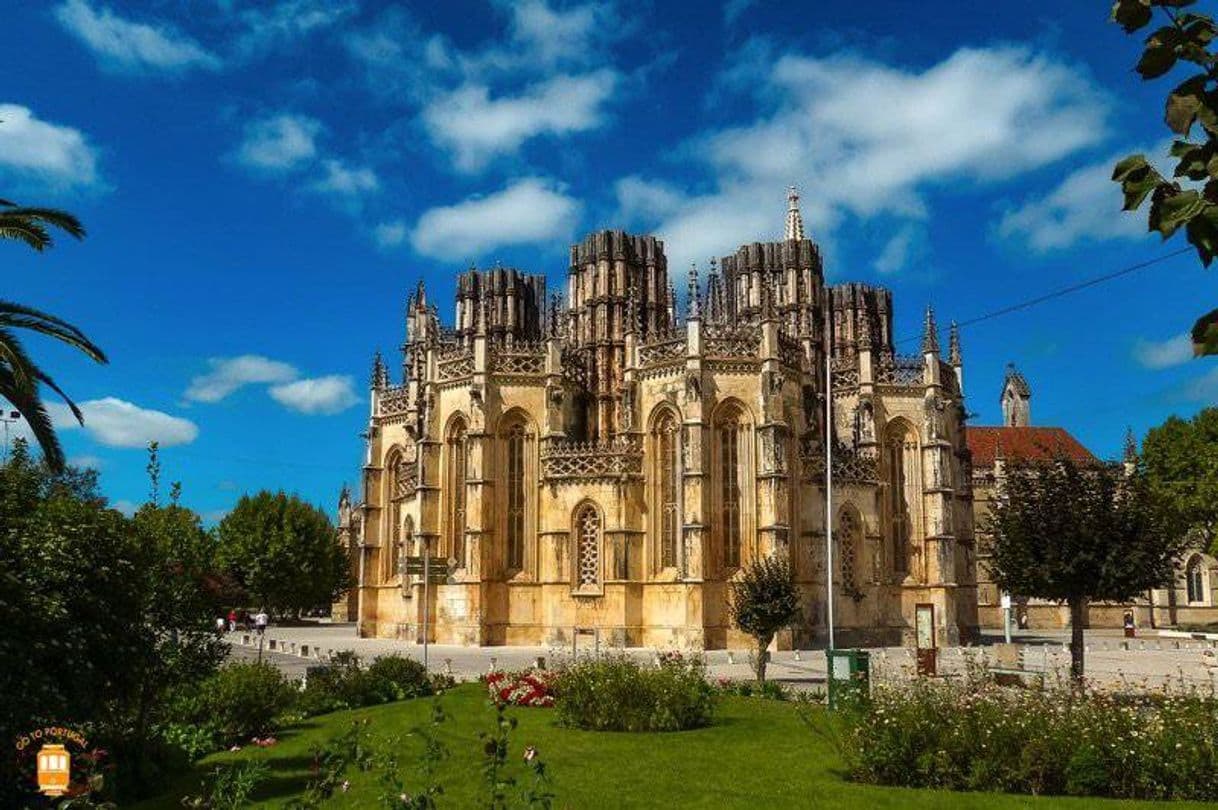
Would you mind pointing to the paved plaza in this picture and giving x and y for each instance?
(1149, 660)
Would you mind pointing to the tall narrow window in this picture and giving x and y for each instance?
(667, 483)
(393, 514)
(901, 456)
(587, 547)
(515, 497)
(729, 495)
(1194, 578)
(456, 492)
(850, 541)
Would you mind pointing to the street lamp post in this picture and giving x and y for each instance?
(9, 418)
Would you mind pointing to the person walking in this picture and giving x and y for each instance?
(261, 620)
(232, 620)
(220, 625)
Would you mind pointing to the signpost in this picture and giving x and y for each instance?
(434, 571)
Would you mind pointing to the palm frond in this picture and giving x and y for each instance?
(19, 316)
(55, 217)
(30, 406)
(12, 354)
(31, 233)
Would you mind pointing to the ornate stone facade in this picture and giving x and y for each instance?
(603, 463)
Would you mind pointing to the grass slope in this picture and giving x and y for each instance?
(758, 753)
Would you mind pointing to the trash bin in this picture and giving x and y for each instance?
(849, 674)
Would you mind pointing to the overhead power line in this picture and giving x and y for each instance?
(1072, 288)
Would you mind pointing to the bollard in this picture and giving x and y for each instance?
(540, 662)
(797, 658)
(493, 662)
(304, 650)
(292, 647)
(731, 659)
(270, 645)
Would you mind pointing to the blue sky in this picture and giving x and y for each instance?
(264, 182)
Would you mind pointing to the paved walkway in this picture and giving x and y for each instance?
(1148, 661)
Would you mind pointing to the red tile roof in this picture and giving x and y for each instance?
(1023, 442)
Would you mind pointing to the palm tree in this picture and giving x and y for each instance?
(20, 376)
(29, 225)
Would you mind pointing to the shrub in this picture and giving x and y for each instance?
(615, 693)
(407, 678)
(972, 735)
(346, 684)
(239, 701)
(523, 688)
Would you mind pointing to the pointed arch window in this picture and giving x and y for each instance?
(729, 432)
(901, 460)
(587, 537)
(516, 444)
(393, 515)
(1195, 581)
(457, 452)
(668, 482)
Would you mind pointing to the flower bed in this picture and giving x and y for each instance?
(972, 735)
(524, 688)
(616, 693)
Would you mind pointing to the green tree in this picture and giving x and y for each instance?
(763, 601)
(1181, 460)
(102, 615)
(1075, 534)
(1192, 108)
(20, 376)
(283, 552)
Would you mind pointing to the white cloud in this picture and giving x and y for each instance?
(1165, 353)
(117, 423)
(227, 374)
(875, 138)
(85, 462)
(900, 250)
(134, 46)
(288, 22)
(390, 234)
(280, 142)
(318, 395)
(125, 506)
(551, 36)
(31, 148)
(475, 127)
(528, 211)
(732, 9)
(340, 179)
(1085, 206)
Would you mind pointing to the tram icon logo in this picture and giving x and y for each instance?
(54, 769)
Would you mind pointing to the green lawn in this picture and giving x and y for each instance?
(758, 753)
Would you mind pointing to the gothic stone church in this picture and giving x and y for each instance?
(604, 463)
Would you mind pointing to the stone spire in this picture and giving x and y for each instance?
(554, 315)
(1016, 399)
(795, 220)
(693, 308)
(672, 304)
(632, 310)
(930, 334)
(380, 374)
(953, 346)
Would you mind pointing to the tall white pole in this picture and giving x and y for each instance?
(829, 467)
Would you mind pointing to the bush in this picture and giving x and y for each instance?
(407, 677)
(346, 684)
(239, 701)
(615, 693)
(973, 735)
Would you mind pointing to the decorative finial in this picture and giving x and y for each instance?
(672, 304)
(795, 220)
(930, 335)
(420, 295)
(864, 336)
(380, 374)
(693, 308)
(953, 345)
(632, 309)
(553, 314)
